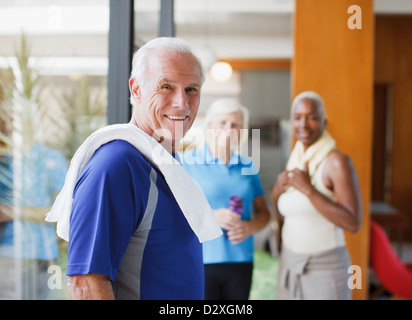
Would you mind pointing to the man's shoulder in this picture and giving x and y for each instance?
(116, 165)
(118, 149)
(119, 155)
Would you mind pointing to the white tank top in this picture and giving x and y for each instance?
(305, 230)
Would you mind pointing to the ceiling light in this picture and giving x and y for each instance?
(221, 71)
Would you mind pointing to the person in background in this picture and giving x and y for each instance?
(316, 197)
(133, 229)
(24, 235)
(219, 169)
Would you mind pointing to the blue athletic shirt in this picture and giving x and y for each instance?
(218, 182)
(126, 224)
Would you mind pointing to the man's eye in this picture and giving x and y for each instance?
(191, 90)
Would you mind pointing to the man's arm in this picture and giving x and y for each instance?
(91, 286)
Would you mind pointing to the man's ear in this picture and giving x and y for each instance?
(134, 89)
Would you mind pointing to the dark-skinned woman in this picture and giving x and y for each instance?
(317, 197)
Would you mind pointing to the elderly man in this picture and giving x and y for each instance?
(131, 233)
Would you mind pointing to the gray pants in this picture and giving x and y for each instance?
(322, 276)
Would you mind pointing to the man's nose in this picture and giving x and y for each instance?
(180, 99)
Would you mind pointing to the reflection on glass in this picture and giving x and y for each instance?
(52, 96)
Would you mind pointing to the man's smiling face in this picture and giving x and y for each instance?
(169, 98)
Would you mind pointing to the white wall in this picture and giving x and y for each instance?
(267, 95)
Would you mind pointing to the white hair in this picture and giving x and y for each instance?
(170, 44)
(225, 106)
(313, 96)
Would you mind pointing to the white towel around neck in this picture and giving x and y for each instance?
(313, 155)
(188, 195)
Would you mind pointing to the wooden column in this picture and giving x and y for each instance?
(337, 62)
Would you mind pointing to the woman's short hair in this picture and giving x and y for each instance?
(225, 106)
(313, 96)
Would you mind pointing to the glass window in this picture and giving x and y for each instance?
(53, 94)
(53, 70)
